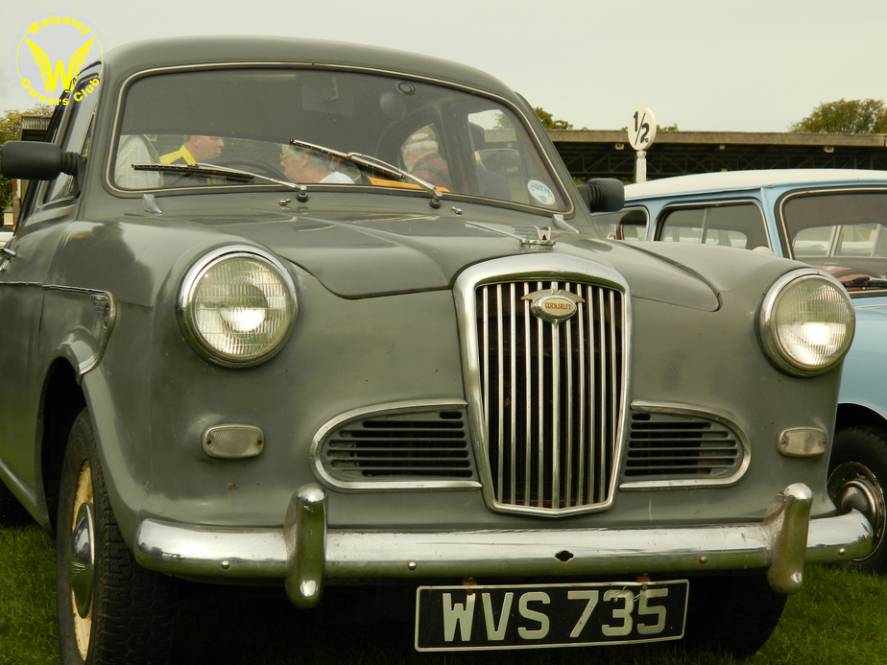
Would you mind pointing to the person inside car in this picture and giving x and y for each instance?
(196, 149)
(304, 166)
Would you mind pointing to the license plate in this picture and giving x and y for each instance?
(459, 618)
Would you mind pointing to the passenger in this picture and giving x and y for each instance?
(197, 149)
(302, 165)
(135, 149)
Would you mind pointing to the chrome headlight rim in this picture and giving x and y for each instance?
(185, 301)
(770, 339)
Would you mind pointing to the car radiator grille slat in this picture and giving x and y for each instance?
(677, 446)
(551, 394)
(399, 446)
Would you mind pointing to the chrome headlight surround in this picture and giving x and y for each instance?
(774, 342)
(186, 306)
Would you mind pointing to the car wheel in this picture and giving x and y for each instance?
(110, 610)
(12, 513)
(734, 615)
(857, 478)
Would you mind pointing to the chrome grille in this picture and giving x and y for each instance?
(401, 446)
(551, 394)
(677, 446)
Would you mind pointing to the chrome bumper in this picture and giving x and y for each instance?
(304, 553)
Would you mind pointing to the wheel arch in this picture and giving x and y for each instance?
(61, 400)
(850, 414)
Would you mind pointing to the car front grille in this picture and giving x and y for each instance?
(665, 446)
(551, 395)
(402, 446)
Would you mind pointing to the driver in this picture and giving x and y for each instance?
(196, 149)
(302, 165)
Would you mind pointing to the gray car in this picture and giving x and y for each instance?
(309, 314)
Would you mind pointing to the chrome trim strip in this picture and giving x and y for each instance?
(513, 395)
(776, 544)
(501, 398)
(528, 409)
(534, 267)
(569, 364)
(552, 171)
(677, 408)
(580, 481)
(540, 411)
(602, 405)
(387, 408)
(554, 328)
(769, 340)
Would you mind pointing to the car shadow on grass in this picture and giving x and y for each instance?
(243, 627)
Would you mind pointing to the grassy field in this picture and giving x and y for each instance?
(839, 619)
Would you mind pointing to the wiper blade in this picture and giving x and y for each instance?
(374, 163)
(222, 171)
(865, 282)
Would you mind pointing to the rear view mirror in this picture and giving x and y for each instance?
(603, 194)
(35, 160)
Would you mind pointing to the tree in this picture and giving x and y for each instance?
(11, 130)
(846, 116)
(548, 120)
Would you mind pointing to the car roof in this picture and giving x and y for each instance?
(129, 58)
(733, 180)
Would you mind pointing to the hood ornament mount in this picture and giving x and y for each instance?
(542, 240)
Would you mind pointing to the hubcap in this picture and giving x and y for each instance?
(854, 485)
(81, 560)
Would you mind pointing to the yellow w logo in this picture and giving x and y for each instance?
(67, 76)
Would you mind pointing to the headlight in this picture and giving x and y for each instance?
(807, 323)
(237, 305)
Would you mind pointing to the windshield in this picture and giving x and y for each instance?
(844, 233)
(464, 144)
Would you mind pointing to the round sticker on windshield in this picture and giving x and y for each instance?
(541, 192)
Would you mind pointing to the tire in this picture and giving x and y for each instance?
(128, 620)
(12, 513)
(857, 479)
(734, 615)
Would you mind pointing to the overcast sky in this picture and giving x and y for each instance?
(754, 65)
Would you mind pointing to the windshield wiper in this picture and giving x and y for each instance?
(375, 163)
(224, 172)
(865, 282)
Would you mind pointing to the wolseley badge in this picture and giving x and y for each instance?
(553, 305)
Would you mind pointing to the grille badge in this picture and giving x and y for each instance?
(553, 305)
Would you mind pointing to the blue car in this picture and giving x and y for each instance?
(835, 220)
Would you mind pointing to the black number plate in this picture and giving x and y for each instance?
(455, 618)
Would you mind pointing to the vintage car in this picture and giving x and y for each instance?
(309, 314)
(833, 219)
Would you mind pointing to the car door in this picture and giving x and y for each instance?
(49, 206)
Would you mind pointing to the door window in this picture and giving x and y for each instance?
(77, 137)
(737, 225)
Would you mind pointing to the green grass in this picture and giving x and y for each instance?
(840, 618)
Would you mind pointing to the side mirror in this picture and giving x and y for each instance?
(603, 194)
(35, 160)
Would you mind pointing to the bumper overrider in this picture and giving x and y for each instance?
(305, 553)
